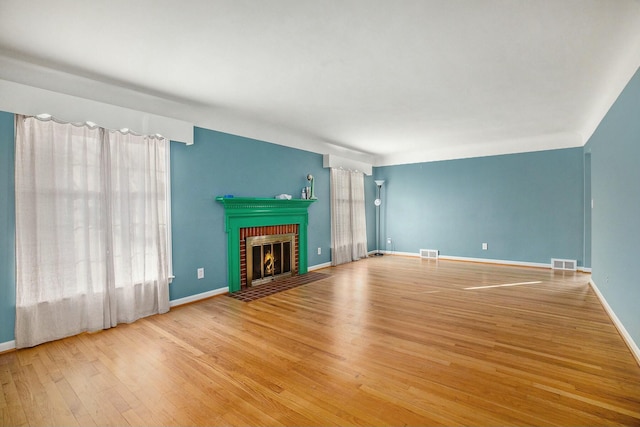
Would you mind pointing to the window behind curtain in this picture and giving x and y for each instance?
(139, 197)
(91, 228)
(348, 221)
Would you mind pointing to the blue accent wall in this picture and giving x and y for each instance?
(587, 207)
(218, 164)
(527, 207)
(8, 227)
(615, 188)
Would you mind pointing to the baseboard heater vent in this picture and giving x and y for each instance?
(564, 264)
(429, 253)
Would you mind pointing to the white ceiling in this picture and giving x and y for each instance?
(383, 81)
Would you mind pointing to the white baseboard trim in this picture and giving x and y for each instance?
(462, 258)
(411, 254)
(6, 346)
(319, 266)
(485, 260)
(394, 253)
(618, 324)
(198, 297)
(468, 259)
(496, 261)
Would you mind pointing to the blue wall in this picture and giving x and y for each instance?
(8, 227)
(218, 164)
(587, 207)
(615, 179)
(528, 207)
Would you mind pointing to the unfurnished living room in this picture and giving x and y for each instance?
(305, 212)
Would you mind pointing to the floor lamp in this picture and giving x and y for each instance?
(378, 202)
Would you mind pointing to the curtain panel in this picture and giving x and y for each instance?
(348, 220)
(91, 228)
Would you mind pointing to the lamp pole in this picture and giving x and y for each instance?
(378, 202)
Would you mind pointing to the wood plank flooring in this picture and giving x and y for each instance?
(383, 341)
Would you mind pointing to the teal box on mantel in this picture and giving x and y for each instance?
(245, 212)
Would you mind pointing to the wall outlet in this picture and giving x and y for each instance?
(201, 273)
(319, 251)
(388, 240)
(485, 246)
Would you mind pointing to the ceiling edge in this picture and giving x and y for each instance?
(619, 78)
(512, 146)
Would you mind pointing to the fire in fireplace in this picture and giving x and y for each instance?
(269, 257)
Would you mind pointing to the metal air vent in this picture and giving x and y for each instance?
(429, 253)
(564, 264)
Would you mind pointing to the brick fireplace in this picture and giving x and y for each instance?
(264, 232)
(248, 217)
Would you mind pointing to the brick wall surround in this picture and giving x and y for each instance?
(265, 231)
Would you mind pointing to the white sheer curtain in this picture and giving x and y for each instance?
(348, 221)
(91, 229)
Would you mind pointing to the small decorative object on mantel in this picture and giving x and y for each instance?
(283, 196)
(310, 191)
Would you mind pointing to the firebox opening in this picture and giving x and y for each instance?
(269, 257)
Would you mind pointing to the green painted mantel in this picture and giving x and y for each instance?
(242, 212)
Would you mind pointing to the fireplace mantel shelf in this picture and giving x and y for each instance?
(253, 203)
(242, 212)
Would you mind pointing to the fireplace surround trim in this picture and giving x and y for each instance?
(244, 212)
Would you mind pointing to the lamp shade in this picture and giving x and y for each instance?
(379, 182)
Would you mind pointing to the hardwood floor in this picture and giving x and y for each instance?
(382, 341)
